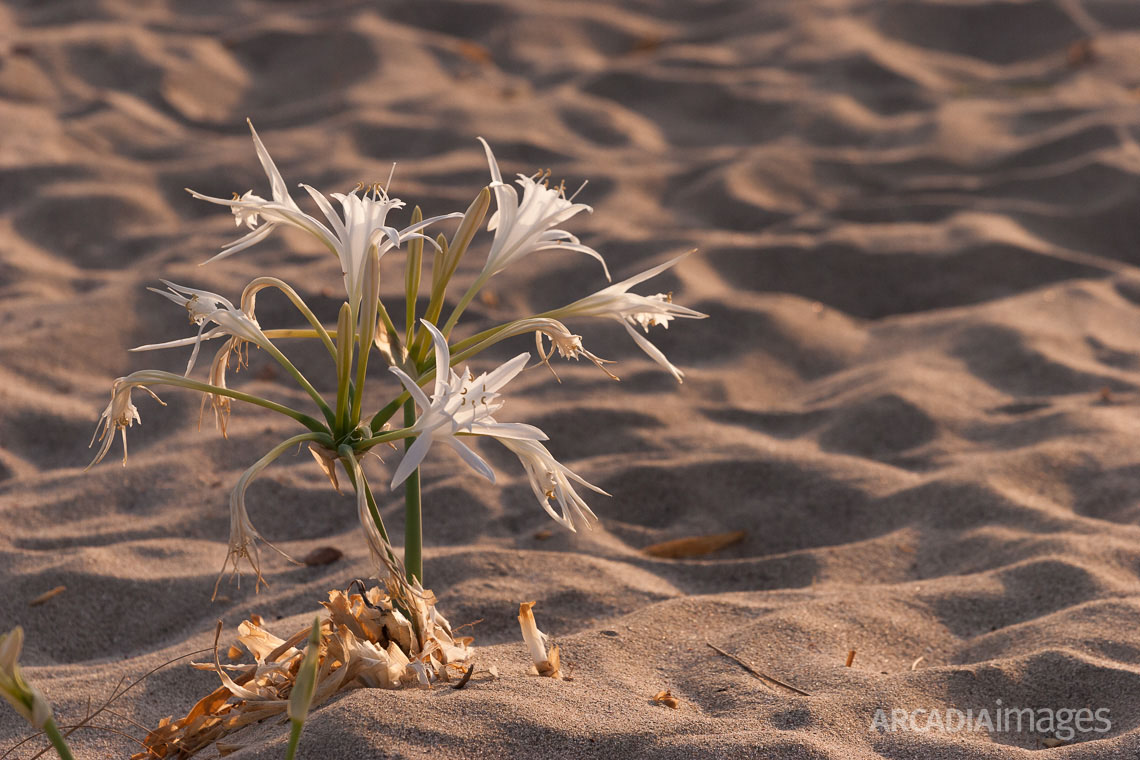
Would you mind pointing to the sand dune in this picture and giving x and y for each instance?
(916, 389)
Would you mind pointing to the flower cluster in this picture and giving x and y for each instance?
(462, 405)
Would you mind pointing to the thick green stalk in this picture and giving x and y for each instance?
(57, 740)
(367, 330)
(413, 515)
(412, 275)
(447, 264)
(344, 339)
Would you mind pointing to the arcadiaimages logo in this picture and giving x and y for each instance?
(1063, 723)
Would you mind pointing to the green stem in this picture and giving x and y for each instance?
(249, 295)
(367, 330)
(376, 440)
(57, 740)
(294, 738)
(412, 274)
(344, 338)
(464, 302)
(301, 380)
(158, 377)
(413, 514)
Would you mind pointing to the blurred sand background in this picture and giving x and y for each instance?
(917, 390)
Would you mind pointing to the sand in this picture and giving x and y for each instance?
(917, 388)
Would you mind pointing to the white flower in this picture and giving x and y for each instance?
(549, 479)
(521, 228)
(632, 310)
(203, 307)
(350, 239)
(460, 403)
(24, 698)
(119, 415)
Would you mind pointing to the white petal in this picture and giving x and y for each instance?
(414, 390)
(442, 358)
(276, 182)
(513, 430)
(471, 458)
(506, 372)
(241, 244)
(491, 162)
(412, 459)
(652, 350)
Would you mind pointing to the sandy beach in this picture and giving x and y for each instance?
(917, 391)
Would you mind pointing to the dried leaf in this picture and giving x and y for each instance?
(1081, 53)
(326, 460)
(474, 52)
(322, 555)
(694, 546)
(44, 597)
(359, 648)
(666, 698)
(543, 534)
(233, 653)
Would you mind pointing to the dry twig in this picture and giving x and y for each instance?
(764, 678)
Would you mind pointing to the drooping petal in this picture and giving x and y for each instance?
(653, 352)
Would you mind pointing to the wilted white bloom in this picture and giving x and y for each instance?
(632, 310)
(243, 536)
(24, 698)
(350, 239)
(204, 307)
(219, 403)
(523, 227)
(460, 403)
(119, 415)
(549, 479)
(567, 344)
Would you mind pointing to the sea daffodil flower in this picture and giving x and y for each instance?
(632, 310)
(523, 227)
(204, 307)
(549, 479)
(364, 224)
(459, 403)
